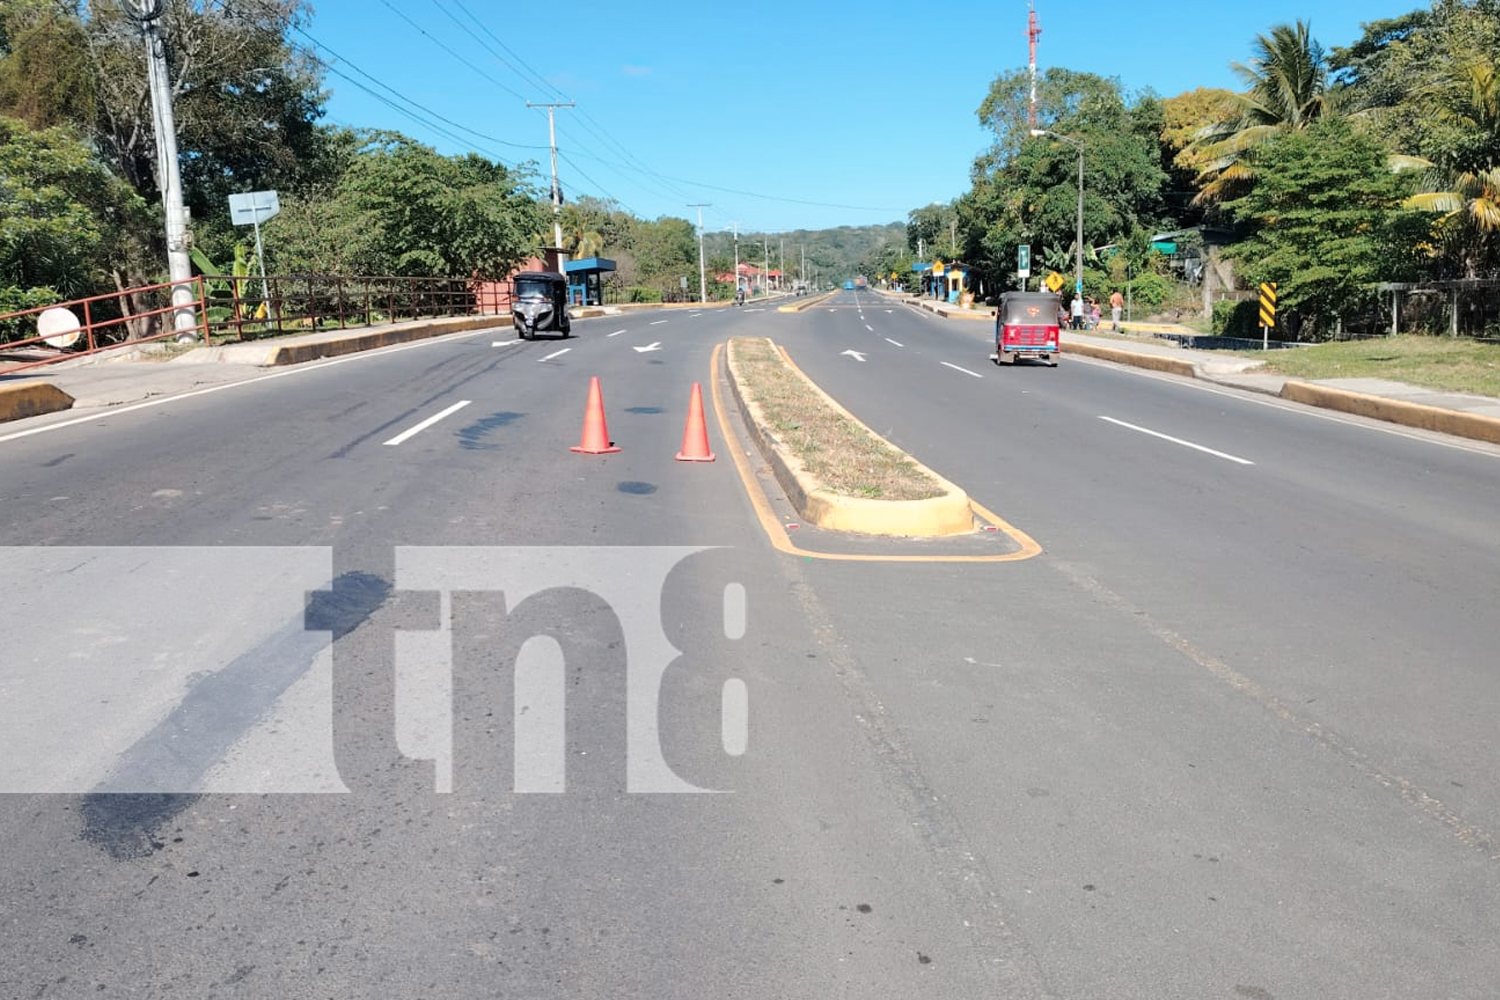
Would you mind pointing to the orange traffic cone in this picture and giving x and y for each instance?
(595, 440)
(695, 434)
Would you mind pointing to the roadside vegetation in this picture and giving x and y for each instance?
(841, 454)
(1449, 364)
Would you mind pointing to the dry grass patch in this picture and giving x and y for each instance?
(1444, 363)
(846, 457)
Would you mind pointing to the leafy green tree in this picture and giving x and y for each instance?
(401, 208)
(1025, 189)
(61, 212)
(666, 250)
(1186, 120)
(44, 67)
(1429, 84)
(1287, 81)
(929, 229)
(1325, 221)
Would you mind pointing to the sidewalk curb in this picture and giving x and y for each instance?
(1430, 418)
(295, 354)
(1155, 362)
(949, 514)
(31, 399)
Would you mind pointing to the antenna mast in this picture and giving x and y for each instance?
(1033, 32)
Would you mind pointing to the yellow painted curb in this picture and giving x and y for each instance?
(1431, 418)
(1155, 362)
(949, 514)
(31, 399)
(296, 354)
(799, 306)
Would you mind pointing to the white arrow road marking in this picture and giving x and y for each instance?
(856, 355)
(658, 322)
(888, 340)
(656, 346)
(964, 370)
(616, 333)
(1185, 444)
(419, 428)
(555, 354)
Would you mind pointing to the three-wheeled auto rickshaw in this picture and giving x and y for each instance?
(540, 303)
(1026, 326)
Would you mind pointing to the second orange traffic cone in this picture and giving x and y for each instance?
(695, 434)
(595, 440)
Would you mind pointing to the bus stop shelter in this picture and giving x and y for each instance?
(586, 280)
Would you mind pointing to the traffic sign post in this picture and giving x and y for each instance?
(253, 208)
(1023, 264)
(1267, 313)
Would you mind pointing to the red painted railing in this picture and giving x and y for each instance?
(105, 322)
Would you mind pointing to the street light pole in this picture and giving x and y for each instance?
(1076, 144)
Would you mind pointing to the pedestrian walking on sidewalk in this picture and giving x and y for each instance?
(1116, 306)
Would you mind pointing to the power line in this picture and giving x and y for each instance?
(400, 13)
(600, 187)
(537, 77)
(636, 166)
(424, 109)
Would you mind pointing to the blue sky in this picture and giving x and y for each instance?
(781, 116)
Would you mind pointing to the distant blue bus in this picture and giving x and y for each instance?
(849, 286)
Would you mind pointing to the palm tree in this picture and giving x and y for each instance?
(1287, 81)
(1467, 193)
(587, 243)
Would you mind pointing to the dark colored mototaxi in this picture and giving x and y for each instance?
(540, 303)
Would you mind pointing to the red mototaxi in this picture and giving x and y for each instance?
(1026, 326)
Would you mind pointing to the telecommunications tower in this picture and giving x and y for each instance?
(1033, 32)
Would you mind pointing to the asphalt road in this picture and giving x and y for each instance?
(318, 685)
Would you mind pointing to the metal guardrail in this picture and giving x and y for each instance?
(134, 315)
(242, 307)
(231, 308)
(1209, 342)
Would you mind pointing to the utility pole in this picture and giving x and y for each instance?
(556, 188)
(765, 279)
(782, 266)
(169, 172)
(736, 226)
(702, 275)
(803, 272)
(953, 235)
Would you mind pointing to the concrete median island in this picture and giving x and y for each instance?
(837, 472)
(31, 398)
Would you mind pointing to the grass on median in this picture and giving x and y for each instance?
(843, 455)
(1444, 363)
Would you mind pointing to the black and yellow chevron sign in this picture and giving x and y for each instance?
(1268, 303)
